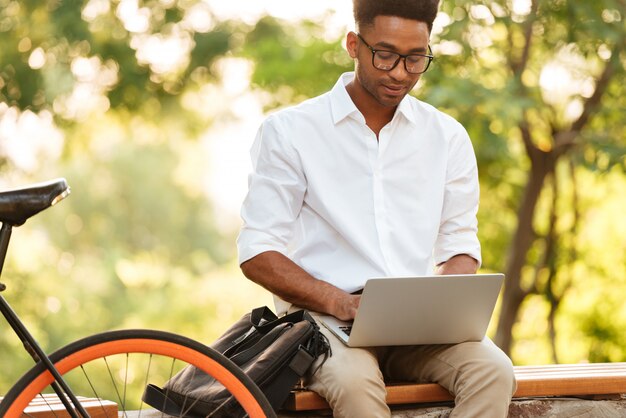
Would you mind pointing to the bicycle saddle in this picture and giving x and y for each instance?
(17, 205)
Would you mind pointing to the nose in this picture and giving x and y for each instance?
(399, 72)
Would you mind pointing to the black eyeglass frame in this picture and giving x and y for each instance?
(429, 56)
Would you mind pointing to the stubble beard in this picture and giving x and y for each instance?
(374, 87)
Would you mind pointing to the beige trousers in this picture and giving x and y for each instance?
(352, 380)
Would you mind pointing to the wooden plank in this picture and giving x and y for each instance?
(400, 394)
(570, 386)
(596, 368)
(49, 406)
(533, 381)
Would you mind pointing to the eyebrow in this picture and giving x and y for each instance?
(392, 48)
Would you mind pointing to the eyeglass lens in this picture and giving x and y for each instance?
(387, 60)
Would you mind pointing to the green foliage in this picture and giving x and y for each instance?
(57, 34)
(497, 70)
(137, 243)
(134, 245)
(489, 97)
(295, 58)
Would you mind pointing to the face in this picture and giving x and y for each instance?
(390, 33)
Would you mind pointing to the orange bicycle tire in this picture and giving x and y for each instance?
(161, 343)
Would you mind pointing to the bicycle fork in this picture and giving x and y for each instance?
(59, 386)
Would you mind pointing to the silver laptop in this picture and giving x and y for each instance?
(420, 310)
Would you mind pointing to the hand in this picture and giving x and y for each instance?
(345, 306)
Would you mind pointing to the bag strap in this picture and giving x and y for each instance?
(263, 319)
(158, 399)
(258, 316)
(262, 314)
(242, 357)
(318, 345)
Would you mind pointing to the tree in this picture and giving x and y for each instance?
(508, 57)
(537, 85)
(138, 236)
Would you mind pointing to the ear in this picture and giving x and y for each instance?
(352, 43)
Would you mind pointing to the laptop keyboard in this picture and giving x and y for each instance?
(346, 329)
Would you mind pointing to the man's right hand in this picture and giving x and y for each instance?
(345, 307)
(284, 278)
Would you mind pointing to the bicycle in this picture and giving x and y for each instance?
(111, 365)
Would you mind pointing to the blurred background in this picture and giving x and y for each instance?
(148, 109)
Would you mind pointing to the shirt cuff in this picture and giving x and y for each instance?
(448, 246)
(249, 248)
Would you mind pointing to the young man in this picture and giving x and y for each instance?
(366, 181)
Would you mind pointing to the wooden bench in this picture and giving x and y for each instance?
(49, 406)
(592, 380)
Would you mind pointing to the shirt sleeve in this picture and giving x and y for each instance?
(276, 188)
(459, 225)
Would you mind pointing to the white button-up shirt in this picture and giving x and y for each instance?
(347, 207)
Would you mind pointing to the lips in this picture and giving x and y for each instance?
(394, 90)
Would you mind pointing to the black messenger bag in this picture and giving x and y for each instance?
(274, 352)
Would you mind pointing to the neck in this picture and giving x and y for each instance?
(376, 115)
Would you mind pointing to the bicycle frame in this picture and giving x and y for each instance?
(69, 363)
(30, 344)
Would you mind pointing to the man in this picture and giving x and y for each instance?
(366, 181)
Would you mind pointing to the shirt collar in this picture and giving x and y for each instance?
(406, 110)
(340, 102)
(342, 105)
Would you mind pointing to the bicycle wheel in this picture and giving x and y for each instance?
(116, 366)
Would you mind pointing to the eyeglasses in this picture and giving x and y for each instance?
(387, 60)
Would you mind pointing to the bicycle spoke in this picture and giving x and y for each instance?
(97, 366)
(126, 378)
(45, 400)
(145, 383)
(187, 397)
(115, 386)
(182, 411)
(93, 390)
